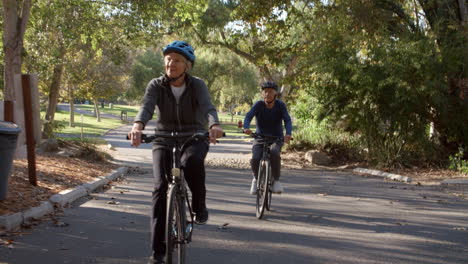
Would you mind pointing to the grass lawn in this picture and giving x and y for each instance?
(94, 128)
(116, 109)
(90, 125)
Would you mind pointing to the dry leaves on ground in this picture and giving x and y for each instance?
(424, 176)
(55, 173)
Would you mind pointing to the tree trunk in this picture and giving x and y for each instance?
(96, 110)
(15, 20)
(443, 16)
(72, 107)
(289, 71)
(54, 91)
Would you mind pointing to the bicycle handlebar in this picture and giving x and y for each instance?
(173, 135)
(267, 137)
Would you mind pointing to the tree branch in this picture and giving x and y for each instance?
(25, 12)
(463, 11)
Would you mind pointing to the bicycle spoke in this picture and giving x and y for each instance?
(262, 189)
(181, 230)
(171, 228)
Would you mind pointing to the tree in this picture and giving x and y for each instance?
(265, 33)
(148, 64)
(383, 74)
(62, 29)
(448, 23)
(15, 20)
(232, 81)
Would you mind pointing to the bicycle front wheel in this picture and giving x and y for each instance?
(175, 227)
(262, 188)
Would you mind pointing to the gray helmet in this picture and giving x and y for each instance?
(269, 84)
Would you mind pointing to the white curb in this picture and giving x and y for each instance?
(93, 185)
(68, 196)
(391, 176)
(454, 182)
(117, 173)
(13, 221)
(38, 211)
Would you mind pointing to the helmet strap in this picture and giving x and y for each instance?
(271, 102)
(176, 78)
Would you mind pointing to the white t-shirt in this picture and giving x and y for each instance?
(177, 91)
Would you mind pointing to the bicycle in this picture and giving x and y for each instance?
(264, 178)
(178, 229)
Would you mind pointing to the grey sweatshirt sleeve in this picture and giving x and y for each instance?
(148, 105)
(206, 106)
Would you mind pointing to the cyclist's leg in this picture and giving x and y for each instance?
(161, 159)
(275, 160)
(193, 163)
(257, 153)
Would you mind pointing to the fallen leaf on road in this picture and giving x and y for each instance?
(113, 202)
(61, 224)
(7, 241)
(223, 226)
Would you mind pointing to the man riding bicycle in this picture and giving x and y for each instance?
(183, 104)
(269, 114)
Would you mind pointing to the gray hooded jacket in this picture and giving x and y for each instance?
(194, 112)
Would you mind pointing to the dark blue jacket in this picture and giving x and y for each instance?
(269, 121)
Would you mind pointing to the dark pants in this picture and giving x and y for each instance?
(193, 157)
(275, 158)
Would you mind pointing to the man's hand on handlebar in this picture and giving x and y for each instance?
(216, 131)
(135, 134)
(247, 131)
(287, 138)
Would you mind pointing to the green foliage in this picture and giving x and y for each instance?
(343, 146)
(381, 84)
(147, 65)
(50, 127)
(457, 163)
(231, 80)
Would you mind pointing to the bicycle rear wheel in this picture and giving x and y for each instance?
(269, 185)
(175, 227)
(262, 188)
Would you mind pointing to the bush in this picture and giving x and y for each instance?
(342, 146)
(85, 149)
(89, 151)
(49, 128)
(457, 163)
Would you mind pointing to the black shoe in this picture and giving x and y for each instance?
(158, 259)
(202, 217)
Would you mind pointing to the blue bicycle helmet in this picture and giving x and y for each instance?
(181, 47)
(269, 84)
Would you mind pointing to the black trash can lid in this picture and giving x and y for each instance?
(9, 128)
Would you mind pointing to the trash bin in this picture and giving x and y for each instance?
(8, 137)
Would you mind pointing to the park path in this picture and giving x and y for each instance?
(324, 216)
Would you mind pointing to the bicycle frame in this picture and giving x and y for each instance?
(178, 231)
(264, 178)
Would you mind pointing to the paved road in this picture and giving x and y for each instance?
(141, 156)
(324, 217)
